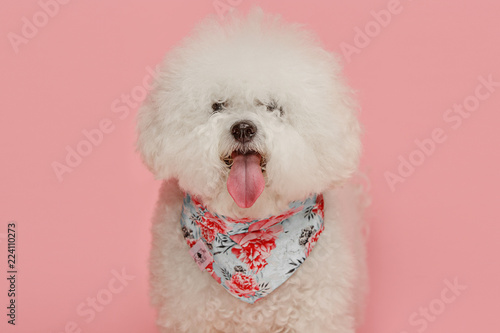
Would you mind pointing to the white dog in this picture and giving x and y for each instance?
(251, 126)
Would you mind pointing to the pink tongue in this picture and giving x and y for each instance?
(246, 181)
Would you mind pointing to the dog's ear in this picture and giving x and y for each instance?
(153, 136)
(342, 135)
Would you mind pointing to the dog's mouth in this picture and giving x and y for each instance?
(245, 182)
(229, 160)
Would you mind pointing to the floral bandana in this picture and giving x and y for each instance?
(251, 258)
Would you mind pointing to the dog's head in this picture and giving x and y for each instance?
(250, 107)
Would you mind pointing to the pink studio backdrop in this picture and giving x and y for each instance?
(73, 74)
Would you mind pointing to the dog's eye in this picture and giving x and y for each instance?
(273, 106)
(218, 106)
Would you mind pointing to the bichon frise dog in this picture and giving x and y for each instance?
(253, 130)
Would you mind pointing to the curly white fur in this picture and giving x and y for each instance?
(310, 143)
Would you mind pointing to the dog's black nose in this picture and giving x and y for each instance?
(243, 131)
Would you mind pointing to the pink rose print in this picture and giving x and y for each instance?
(319, 206)
(191, 242)
(242, 285)
(269, 222)
(197, 202)
(210, 226)
(255, 247)
(242, 220)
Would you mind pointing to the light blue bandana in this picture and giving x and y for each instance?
(251, 258)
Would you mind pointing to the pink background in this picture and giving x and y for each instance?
(439, 225)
